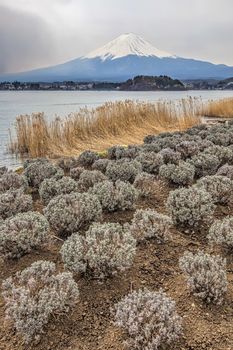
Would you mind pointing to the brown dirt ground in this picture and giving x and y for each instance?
(89, 326)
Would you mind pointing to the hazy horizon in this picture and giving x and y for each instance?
(43, 33)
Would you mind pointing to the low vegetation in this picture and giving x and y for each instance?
(149, 318)
(112, 232)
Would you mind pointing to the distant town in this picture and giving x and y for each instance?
(138, 83)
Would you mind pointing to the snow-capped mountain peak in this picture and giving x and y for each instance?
(127, 44)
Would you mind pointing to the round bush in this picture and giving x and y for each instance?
(205, 164)
(226, 170)
(170, 156)
(219, 187)
(150, 161)
(89, 178)
(100, 164)
(105, 250)
(70, 212)
(118, 152)
(22, 233)
(38, 170)
(187, 149)
(76, 172)
(118, 196)
(123, 169)
(221, 232)
(53, 187)
(149, 223)
(68, 163)
(14, 202)
(10, 180)
(144, 183)
(36, 294)
(149, 319)
(190, 207)
(87, 158)
(206, 275)
(224, 154)
(181, 174)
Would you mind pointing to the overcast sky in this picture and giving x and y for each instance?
(39, 33)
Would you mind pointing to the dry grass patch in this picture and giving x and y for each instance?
(122, 122)
(219, 108)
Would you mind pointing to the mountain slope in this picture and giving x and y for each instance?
(123, 58)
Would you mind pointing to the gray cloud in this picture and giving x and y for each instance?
(39, 33)
(25, 41)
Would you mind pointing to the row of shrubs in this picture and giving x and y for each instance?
(150, 319)
(66, 214)
(76, 202)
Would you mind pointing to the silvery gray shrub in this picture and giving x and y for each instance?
(226, 170)
(150, 139)
(224, 154)
(203, 144)
(148, 223)
(190, 207)
(219, 187)
(13, 202)
(76, 172)
(149, 319)
(89, 178)
(123, 169)
(10, 180)
(170, 156)
(150, 161)
(118, 196)
(115, 152)
(68, 163)
(87, 158)
(144, 183)
(221, 232)
(30, 161)
(150, 147)
(205, 164)
(118, 152)
(181, 174)
(38, 170)
(187, 149)
(22, 233)
(69, 212)
(206, 275)
(104, 250)
(219, 138)
(35, 294)
(100, 164)
(52, 187)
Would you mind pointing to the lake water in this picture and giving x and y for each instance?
(52, 103)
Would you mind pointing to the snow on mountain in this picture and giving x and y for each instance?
(125, 57)
(127, 44)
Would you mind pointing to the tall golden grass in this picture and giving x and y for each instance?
(219, 108)
(125, 122)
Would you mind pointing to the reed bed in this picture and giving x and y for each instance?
(219, 108)
(124, 122)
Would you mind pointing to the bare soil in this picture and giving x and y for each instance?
(90, 324)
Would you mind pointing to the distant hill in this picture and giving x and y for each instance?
(144, 83)
(226, 84)
(123, 58)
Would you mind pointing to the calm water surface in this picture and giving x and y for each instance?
(52, 103)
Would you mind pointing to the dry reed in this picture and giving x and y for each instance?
(219, 108)
(126, 122)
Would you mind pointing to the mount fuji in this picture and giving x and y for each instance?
(122, 58)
